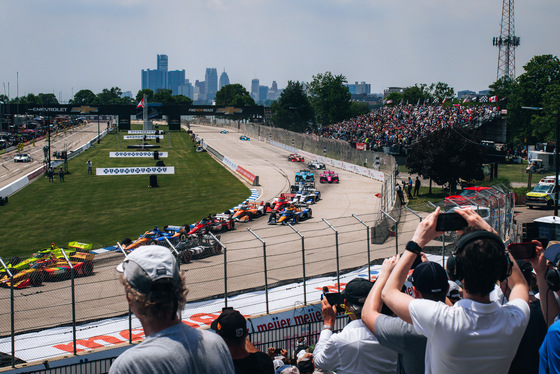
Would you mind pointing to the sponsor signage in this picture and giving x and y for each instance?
(140, 137)
(141, 131)
(361, 146)
(136, 170)
(137, 154)
(245, 174)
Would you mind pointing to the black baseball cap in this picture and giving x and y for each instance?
(357, 290)
(230, 324)
(430, 277)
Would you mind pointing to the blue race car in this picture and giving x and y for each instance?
(224, 132)
(244, 137)
(305, 176)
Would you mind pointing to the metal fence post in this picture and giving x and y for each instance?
(396, 230)
(337, 256)
(265, 268)
(12, 314)
(129, 311)
(302, 262)
(73, 292)
(368, 246)
(225, 268)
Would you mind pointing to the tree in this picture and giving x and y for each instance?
(292, 111)
(146, 91)
(414, 95)
(442, 91)
(84, 97)
(182, 99)
(447, 155)
(164, 96)
(234, 95)
(330, 98)
(110, 96)
(357, 108)
(394, 98)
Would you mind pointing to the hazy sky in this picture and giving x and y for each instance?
(63, 46)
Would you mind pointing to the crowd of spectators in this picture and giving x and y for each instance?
(400, 125)
(480, 315)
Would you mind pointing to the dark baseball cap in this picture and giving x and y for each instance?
(230, 324)
(430, 277)
(357, 290)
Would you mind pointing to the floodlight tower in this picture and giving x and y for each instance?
(506, 42)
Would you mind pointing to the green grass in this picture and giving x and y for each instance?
(105, 209)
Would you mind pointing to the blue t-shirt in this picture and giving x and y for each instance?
(550, 350)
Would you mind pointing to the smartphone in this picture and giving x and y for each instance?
(523, 251)
(450, 222)
(334, 298)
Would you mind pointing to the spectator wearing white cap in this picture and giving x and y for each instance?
(156, 294)
(476, 335)
(355, 349)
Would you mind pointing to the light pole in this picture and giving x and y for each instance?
(556, 159)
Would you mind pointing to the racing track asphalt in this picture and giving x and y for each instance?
(353, 195)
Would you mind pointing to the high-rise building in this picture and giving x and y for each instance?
(263, 93)
(255, 89)
(186, 89)
(211, 79)
(175, 79)
(162, 63)
(153, 79)
(360, 88)
(224, 79)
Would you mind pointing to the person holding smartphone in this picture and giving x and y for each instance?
(475, 335)
(355, 349)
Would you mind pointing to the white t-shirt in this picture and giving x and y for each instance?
(470, 337)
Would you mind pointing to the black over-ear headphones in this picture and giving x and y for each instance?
(455, 266)
(553, 277)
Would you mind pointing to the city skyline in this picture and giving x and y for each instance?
(62, 47)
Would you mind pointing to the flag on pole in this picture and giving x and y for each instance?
(493, 99)
(444, 100)
(466, 100)
(484, 99)
(475, 98)
(140, 104)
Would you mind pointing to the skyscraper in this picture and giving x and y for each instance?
(255, 89)
(162, 63)
(175, 79)
(211, 79)
(224, 79)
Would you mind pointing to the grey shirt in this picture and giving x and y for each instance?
(396, 334)
(177, 349)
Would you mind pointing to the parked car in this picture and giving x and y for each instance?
(22, 157)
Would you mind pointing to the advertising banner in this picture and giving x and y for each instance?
(141, 131)
(136, 170)
(140, 137)
(137, 154)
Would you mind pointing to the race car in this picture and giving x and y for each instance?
(224, 132)
(82, 265)
(244, 137)
(294, 157)
(467, 193)
(198, 246)
(33, 276)
(22, 157)
(213, 223)
(292, 213)
(316, 165)
(304, 176)
(280, 202)
(328, 176)
(248, 210)
(16, 264)
(308, 194)
(154, 236)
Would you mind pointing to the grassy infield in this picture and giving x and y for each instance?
(105, 209)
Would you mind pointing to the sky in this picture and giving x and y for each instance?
(63, 46)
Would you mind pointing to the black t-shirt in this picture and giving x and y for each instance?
(256, 363)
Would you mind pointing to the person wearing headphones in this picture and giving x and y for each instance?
(476, 335)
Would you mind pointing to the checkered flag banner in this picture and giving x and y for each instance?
(484, 99)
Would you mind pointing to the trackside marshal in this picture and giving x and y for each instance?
(136, 170)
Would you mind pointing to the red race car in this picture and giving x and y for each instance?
(294, 157)
(215, 223)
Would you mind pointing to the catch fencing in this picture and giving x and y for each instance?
(57, 318)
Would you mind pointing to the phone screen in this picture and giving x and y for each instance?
(450, 222)
(522, 251)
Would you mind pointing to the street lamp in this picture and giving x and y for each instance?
(556, 159)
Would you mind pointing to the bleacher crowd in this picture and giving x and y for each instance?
(479, 315)
(402, 124)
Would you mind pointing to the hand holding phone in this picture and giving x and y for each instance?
(450, 222)
(523, 251)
